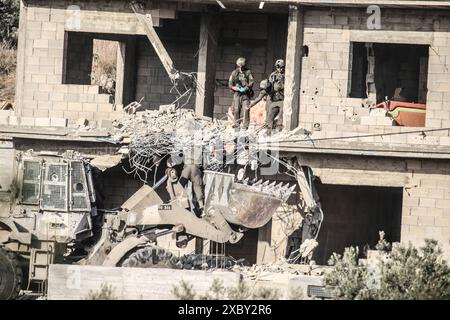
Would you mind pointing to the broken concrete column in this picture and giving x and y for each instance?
(124, 74)
(206, 72)
(293, 67)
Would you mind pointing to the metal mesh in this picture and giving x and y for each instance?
(31, 182)
(78, 187)
(318, 291)
(54, 194)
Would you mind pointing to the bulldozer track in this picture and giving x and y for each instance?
(10, 275)
(157, 257)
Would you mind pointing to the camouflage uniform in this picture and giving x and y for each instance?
(274, 89)
(241, 100)
(275, 106)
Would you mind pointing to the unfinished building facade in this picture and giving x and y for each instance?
(374, 173)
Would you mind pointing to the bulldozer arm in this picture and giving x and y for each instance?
(145, 208)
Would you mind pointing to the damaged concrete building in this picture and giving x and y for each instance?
(373, 173)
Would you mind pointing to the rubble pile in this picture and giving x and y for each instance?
(282, 266)
(153, 134)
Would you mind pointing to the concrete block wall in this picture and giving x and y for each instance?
(247, 35)
(326, 70)
(47, 90)
(425, 183)
(153, 83)
(256, 58)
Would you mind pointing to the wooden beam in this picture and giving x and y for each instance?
(293, 68)
(206, 71)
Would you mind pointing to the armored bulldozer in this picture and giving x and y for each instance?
(50, 215)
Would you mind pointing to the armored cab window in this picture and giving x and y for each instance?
(79, 193)
(54, 192)
(31, 182)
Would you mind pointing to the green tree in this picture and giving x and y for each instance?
(9, 17)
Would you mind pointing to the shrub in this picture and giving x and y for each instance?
(106, 292)
(7, 71)
(217, 291)
(403, 274)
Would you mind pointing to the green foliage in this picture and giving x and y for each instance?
(295, 294)
(405, 273)
(266, 293)
(7, 71)
(9, 17)
(415, 274)
(184, 292)
(217, 291)
(382, 244)
(240, 292)
(348, 278)
(106, 292)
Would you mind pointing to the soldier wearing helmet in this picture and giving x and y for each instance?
(274, 89)
(241, 84)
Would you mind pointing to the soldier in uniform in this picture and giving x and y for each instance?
(241, 84)
(193, 163)
(274, 89)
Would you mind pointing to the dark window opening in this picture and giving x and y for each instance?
(392, 77)
(396, 71)
(103, 60)
(354, 215)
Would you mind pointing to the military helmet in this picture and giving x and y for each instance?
(240, 62)
(279, 63)
(264, 84)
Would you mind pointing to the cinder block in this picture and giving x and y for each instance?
(427, 203)
(105, 107)
(48, 35)
(383, 121)
(40, 43)
(27, 121)
(5, 113)
(38, 78)
(442, 204)
(90, 107)
(42, 122)
(73, 115)
(104, 123)
(58, 122)
(4, 121)
(13, 121)
(93, 89)
(425, 221)
(41, 113)
(325, 19)
(378, 112)
(367, 120)
(75, 106)
(442, 222)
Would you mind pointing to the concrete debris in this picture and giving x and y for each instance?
(82, 122)
(154, 134)
(104, 162)
(282, 266)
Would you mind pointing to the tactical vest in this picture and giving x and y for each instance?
(276, 80)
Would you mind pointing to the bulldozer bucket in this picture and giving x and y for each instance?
(250, 206)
